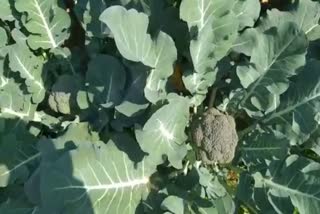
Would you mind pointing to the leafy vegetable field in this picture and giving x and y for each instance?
(159, 106)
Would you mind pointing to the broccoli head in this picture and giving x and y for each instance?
(63, 95)
(215, 135)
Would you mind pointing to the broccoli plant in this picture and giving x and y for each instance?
(159, 106)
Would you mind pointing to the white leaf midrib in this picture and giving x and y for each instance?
(26, 71)
(291, 108)
(45, 24)
(263, 148)
(285, 188)
(120, 185)
(266, 70)
(31, 158)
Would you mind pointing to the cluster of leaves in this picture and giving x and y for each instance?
(92, 120)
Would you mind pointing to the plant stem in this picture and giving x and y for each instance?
(246, 130)
(212, 97)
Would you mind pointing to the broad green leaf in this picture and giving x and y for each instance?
(82, 100)
(225, 204)
(313, 50)
(32, 187)
(17, 151)
(257, 147)
(51, 149)
(48, 120)
(94, 178)
(204, 210)
(6, 11)
(278, 53)
(15, 104)
(211, 187)
(121, 121)
(129, 29)
(314, 141)
(15, 155)
(4, 71)
(294, 179)
(164, 133)
(244, 188)
(213, 27)
(197, 191)
(134, 101)
(13, 206)
(197, 84)
(255, 198)
(305, 13)
(165, 17)
(76, 133)
(126, 142)
(249, 38)
(247, 12)
(98, 118)
(173, 204)
(65, 61)
(19, 36)
(88, 12)
(47, 23)
(29, 67)
(13, 200)
(299, 108)
(3, 37)
(214, 192)
(105, 79)
(246, 41)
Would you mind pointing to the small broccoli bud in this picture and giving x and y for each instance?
(63, 96)
(215, 135)
(60, 102)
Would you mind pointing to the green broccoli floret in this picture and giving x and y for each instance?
(215, 135)
(63, 96)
